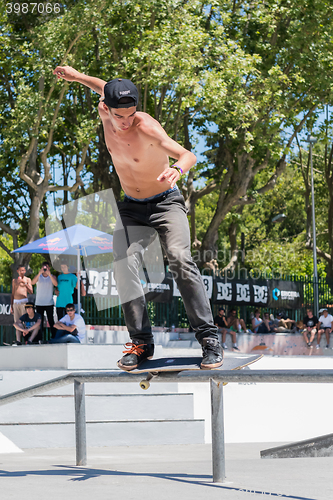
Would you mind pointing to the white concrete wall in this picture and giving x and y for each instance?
(270, 412)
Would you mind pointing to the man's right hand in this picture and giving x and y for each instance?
(66, 72)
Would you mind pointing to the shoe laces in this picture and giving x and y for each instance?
(136, 349)
(211, 348)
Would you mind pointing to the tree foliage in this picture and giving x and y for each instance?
(247, 76)
(271, 71)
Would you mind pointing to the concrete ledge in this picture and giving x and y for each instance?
(279, 344)
(321, 446)
(63, 357)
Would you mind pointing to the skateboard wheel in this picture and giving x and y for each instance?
(144, 384)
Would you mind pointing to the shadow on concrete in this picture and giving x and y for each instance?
(85, 473)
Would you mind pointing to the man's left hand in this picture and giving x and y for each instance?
(171, 175)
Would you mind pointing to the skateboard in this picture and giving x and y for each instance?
(155, 366)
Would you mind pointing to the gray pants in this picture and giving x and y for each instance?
(140, 226)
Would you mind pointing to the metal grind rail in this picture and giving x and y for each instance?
(216, 377)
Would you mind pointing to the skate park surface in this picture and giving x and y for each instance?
(163, 472)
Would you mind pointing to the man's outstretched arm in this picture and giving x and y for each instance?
(72, 75)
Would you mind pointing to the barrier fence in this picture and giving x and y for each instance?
(173, 313)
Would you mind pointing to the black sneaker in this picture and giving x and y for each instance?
(16, 342)
(136, 352)
(212, 354)
(235, 347)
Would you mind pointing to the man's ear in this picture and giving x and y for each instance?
(105, 106)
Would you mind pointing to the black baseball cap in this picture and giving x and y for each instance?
(117, 89)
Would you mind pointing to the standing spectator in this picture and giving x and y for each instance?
(45, 282)
(28, 325)
(221, 322)
(66, 284)
(234, 323)
(71, 328)
(21, 286)
(325, 325)
(309, 327)
(256, 321)
(80, 284)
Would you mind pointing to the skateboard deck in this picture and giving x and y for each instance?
(155, 366)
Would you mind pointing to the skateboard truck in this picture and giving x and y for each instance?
(145, 384)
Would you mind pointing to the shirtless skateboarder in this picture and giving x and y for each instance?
(140, 150)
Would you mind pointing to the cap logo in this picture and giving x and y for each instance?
(125, 92)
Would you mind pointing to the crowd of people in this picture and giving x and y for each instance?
(70, 325)
(313, 326)
(310, 327)
(29, 316)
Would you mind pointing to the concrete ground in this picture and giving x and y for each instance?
(162, 472)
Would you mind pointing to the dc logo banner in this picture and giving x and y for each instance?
(223, 292)
(243, 293)
(260, 294)
(98, 282)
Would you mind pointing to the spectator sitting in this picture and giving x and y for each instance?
(266, 326)
(256, 321)
(325, 325)
(285, 322)
(221, 322)
(309, 327)
(71, 328)
(299, 326)
(234, 323)
(274, 321)
(280, 324)
(28, 325)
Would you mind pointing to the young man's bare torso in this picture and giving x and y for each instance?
(136, 153)
(139, 146)
(21, 286)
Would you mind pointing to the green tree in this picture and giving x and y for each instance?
(30, 103)
(272, 71)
